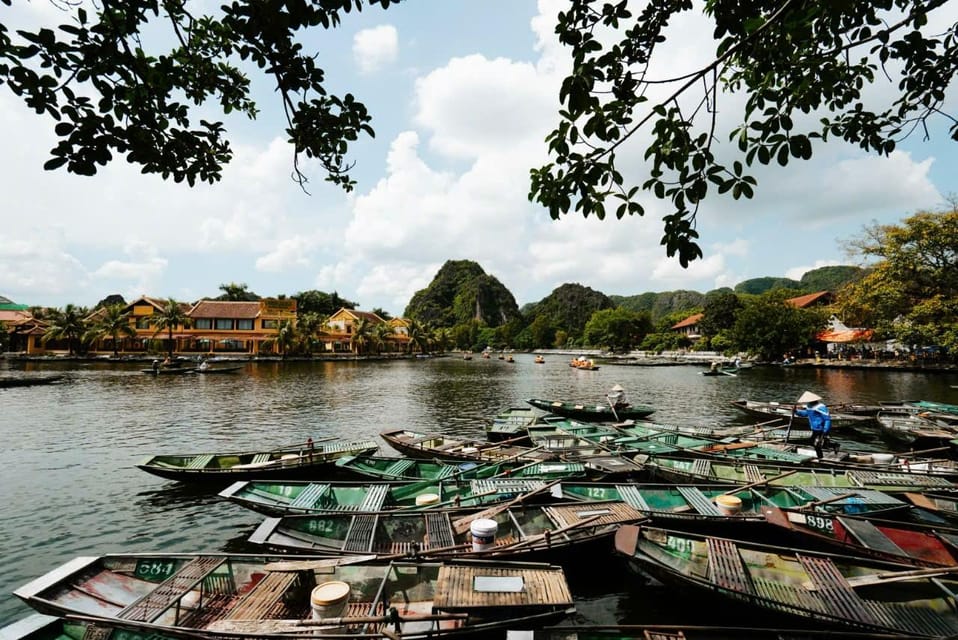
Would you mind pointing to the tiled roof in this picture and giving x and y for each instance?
(13, 316)
(803, 301)
(223, 309)
(691, 321)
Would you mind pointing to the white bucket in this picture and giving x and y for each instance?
(883, 458)
(729, 505)
(329, 599)
(483, 534)
(470, 450)
(425, 499)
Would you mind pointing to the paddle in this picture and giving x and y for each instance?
(262, 627)
(542, 536)
(741, 488)
(462, 524)
(895, 576)
(612, 406)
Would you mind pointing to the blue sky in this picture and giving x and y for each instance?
(462, 94)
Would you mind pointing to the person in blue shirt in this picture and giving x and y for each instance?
(820, 422)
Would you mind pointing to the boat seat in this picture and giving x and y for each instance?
(631, 495)
(862, 478)
(702, 467)
(439, 531)
(399, 467)
(199, 462)
(308, 497)
(915, 621)
(837, 596)
(154, 603)
(375, 498)
(699, 501)
(662, 635)
(726, 568)
(753, 473)
(787, 597)
(446, 471)
(257, 602)
(260, 458)
(870, 536)
(360, 535)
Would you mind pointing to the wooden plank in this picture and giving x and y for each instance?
(870, 536)
(267, 593)
(726, 568)
(154, 603)
(838, 597)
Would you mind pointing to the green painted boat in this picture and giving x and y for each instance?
(511, 424)
(282, 498)
(521, 531)
(439, 446)
(300, 460)
(42, 627)
(604, 411)
(686, 502)
(397, 468)
(741, 473)
(827, 589)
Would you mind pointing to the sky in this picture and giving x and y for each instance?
(462, 95)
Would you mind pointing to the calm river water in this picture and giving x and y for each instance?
(70, 487)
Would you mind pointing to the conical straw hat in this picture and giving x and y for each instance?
(807, 397)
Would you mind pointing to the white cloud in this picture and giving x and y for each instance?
(38, 266)
(289, 253)
(395, 283)
(375, 48)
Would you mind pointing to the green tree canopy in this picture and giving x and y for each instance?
(789, 59)
(320, 302)
(236, 292)
(113, 91)
(769, 327)
(719, 312)
(617, 329)
(910, 292)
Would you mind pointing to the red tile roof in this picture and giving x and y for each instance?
(224, 309)
(807, 300)
(691, 321)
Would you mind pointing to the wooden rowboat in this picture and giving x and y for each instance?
(397, 469)
(276, 498)
(595, 412)
(301, 460)
(9, 382)
(695, 471)
(859, 594)
(229, 596)
(524, 531)
(439, 446)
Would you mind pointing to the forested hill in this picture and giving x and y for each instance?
(460, 293)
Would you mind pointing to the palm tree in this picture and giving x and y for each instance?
(419, 335)
(114, 322)
(310, 324)
(360, 337)
(286, 337)
(380, 336)
(67, 324)
(169, 318)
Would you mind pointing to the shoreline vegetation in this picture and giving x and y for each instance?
(635, 358)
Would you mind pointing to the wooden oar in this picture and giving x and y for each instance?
(319, 563)
(761, 482)
(818, 503)
(462, 524)
(444, 503)
(509, 472)
(612, 406)
(541, 536)
(892, 576)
